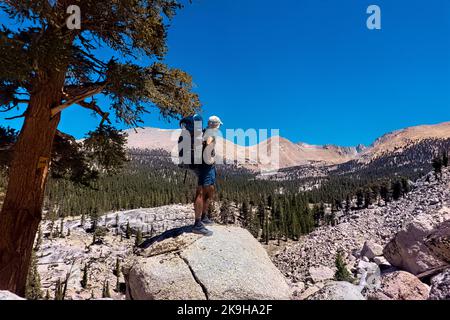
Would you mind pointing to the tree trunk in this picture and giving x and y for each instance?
(22, 208)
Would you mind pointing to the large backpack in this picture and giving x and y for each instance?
(190, 151)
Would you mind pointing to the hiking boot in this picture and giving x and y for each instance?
(200, 229)
(207, 221)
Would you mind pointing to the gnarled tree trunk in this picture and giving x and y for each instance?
(22, 208)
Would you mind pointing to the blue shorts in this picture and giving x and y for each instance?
(206, 175)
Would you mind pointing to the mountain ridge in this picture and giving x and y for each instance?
(300, 153)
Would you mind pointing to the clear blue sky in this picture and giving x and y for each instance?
(310, 68)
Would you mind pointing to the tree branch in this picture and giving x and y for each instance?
(76, 94)
(16, 117)
(93, 106)
(14, 104)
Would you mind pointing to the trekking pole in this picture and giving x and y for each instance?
(185, 175)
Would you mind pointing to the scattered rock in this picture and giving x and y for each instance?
(378, 225)
(440, 286)
(297, 289)
(381, 262)
(321, 273)
(229, 265)
(401, 285)
(370, 275)
(337, 290)
(6, 295)
(371, 250)
(311, 290)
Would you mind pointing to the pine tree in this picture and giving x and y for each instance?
(138, 239)
(342, 273)
(405, 186)
(245, 213)
(105, 291)
(56, 232)
(359, 199)
(348, 204)
(61, 228)
(52, 225)
(117, 220)
(58, 290)
(266, 228)
(318, 214)
(445, 158)
(83, 220)
(384, 193)
(128, 231)
(117, 274)
(117, 268)
(84, 280)
(376, 193)
(38, 239)
(367, 199)
(224, 211)
(396, 190)
(254, 227)
(117, 284)
(94, 219)
(437, 166)
(33, 287)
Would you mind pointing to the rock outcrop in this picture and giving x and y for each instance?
(337, 290)
(439, 241)
(409, 251)
(321, 273)
(6, 295)
(166, 277)
(371, 250)
(229, 265)
(401, 285)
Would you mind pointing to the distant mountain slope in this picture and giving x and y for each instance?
(290, 155)
(401, 147)
(152, 138)
(400, 140)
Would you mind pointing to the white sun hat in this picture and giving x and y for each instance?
(215, 120)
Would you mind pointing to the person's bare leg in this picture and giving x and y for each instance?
(198, 204)
(208, 194)
(199, 227)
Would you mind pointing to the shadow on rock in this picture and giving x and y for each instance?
(169, 234)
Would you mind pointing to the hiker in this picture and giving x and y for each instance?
(206, 173)
(201, 160)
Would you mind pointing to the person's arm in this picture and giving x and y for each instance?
(209, 140)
